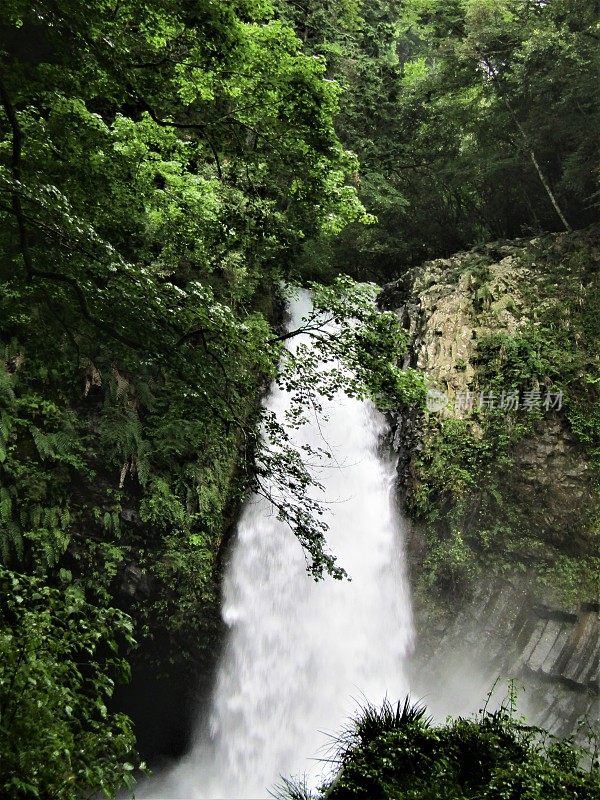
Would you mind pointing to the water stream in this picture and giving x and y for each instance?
(301, 655)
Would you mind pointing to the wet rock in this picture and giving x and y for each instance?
(134, 583)
(551, 652)
(446, 306)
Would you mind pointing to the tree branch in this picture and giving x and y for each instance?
(308, 328)
(17, 147)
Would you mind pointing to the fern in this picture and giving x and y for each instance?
(33, 515)
(143, 462)
(11, 537)
(111, 522)
(50, 517)
(5, 506)
(12, 541)
(121, 433)
(5, 431)
(6, 384)
(49, 544)
(64, 515)
(53, 445)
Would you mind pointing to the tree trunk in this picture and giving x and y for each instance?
(544, 181)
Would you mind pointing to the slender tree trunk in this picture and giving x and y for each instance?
(551, 195)
(531, 152)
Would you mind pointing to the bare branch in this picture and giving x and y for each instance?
(308, 328)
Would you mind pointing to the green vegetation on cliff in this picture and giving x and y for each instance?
(508, 474)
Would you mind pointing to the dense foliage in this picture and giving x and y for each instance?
(396, 753)
(472, 119)
(58, 665)
(161, 165)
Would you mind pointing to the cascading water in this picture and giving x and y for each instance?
(301, 655)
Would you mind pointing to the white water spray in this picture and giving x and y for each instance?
(302, 655)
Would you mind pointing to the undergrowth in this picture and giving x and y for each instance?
(396, 753)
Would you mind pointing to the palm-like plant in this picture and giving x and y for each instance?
(371, 721)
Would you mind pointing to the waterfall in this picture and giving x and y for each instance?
(302, 655)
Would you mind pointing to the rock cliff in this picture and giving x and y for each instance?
(500, 475)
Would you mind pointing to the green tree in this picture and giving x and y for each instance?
(58, 662)
(161, 166)
(471, 120)
(158, 173)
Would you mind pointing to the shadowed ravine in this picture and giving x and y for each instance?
(300, 654)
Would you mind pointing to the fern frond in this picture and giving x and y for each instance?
(5, 506)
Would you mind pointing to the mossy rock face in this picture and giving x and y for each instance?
(555, 481)
(493, 486)
(504, 503)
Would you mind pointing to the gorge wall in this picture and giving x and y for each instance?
(500, 475)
